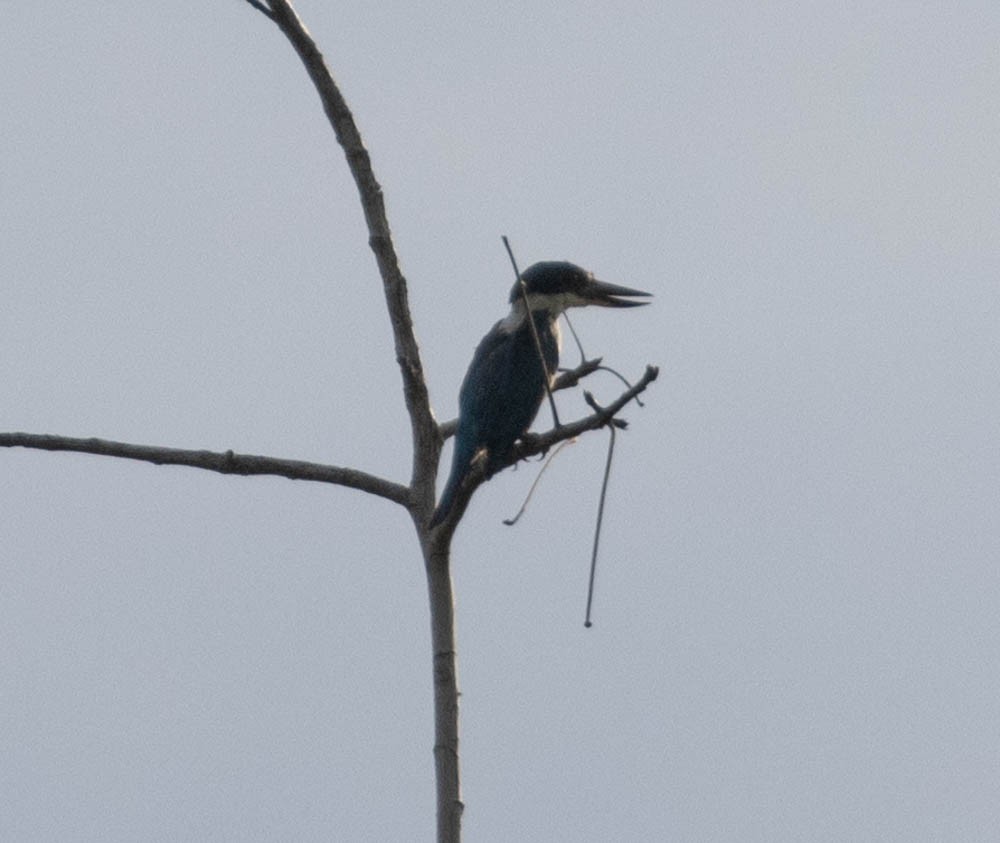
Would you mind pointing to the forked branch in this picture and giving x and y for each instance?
(425, 433)
(532, 445)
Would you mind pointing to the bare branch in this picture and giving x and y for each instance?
(519, 280)
(539, 444)
(224, 463)
(426, 436)
(426, 440)
(531, 444)
(571, 377)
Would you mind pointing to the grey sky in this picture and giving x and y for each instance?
(796, 618)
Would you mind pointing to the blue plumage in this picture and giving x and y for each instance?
(505, 383)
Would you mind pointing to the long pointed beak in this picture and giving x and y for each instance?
(609, 295)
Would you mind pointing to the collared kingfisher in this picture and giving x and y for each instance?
(505, 383)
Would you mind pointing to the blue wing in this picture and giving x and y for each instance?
(500, 396)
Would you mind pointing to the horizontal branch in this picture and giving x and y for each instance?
(226, 462)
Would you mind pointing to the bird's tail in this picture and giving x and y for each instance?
(444, 506)
(460, 466)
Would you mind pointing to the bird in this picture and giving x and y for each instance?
(506, 380)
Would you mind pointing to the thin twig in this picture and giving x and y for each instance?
(572, 330)
(622, 378)
(534, 330)
(510, 522)
(571, 377)
(583, 357)
(531, 444)
(226, 462)
(597, 527)
(539, 444)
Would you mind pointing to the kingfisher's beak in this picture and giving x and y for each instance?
(610, 295)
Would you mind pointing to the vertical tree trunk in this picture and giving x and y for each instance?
(442, 604)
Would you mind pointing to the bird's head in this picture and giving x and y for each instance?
(557, 285)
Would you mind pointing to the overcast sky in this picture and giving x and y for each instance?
(796, 622)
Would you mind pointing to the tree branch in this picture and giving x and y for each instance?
(426, 441)
(425, 434)
(571, 377)
(539, 444)
(532, 444)
(224, 463)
